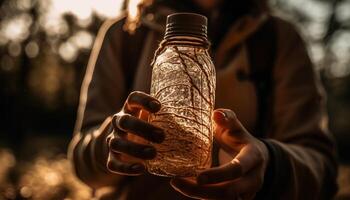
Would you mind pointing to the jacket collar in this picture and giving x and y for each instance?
(244, 26)
(236, 34)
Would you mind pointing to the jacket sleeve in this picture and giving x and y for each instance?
(302, 151)
(102, 94)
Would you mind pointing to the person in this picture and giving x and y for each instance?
(271, 139)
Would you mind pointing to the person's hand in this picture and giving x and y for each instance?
(129, 144)
(240, 178)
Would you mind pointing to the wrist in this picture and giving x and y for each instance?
(266, 154)
(268, 171)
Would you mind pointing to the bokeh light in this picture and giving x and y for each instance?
(17, 28)
(51, 19)
(32, 49)
(82, 9)
(82, 39)
(343, 11)
(68, 51)
(313, 18)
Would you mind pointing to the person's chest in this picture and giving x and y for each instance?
(235, 93)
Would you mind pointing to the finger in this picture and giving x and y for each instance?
(139, 100)
(227, 172)
(191, 189)
(229, 132)
(116, 166)
(131, 124)
(226, 121)
(119, 145)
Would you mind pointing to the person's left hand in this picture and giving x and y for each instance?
(242, 177)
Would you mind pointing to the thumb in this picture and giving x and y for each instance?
(228, 129)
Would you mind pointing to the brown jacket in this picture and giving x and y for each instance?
(302, 162)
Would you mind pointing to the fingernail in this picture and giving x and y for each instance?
(202, 179)
(154, 105)
(137, 167)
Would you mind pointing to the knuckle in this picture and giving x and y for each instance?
(123, 121)
(108, 139)
(115, 166)
(110, 143)
(110, 165)
(114, 144)
(119, 124)
(137, 93)
(115, 120)
(133, 93)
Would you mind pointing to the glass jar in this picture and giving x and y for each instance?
(183, 80)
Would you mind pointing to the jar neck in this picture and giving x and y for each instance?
(187, 41)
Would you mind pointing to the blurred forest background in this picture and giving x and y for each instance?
(44, 49)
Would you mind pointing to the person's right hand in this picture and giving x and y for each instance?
(127, 156)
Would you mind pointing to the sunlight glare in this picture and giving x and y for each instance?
(317, 52)
(132, 9)
(54, 25)
(32, 49)
(341, 51)
(107, 8)
(343, 11)
(68, 51)
(24, 4)
(339, 47)
(14, 49)
(17, 29)
(53, 11)
(318, 11)
(83, 9)
(82, 39)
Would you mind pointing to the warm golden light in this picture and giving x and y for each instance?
(134, 9)
(17, 28)
(53, 11)
(84, 8)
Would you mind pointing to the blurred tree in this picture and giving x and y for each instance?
(326, 25)
(43, 55)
